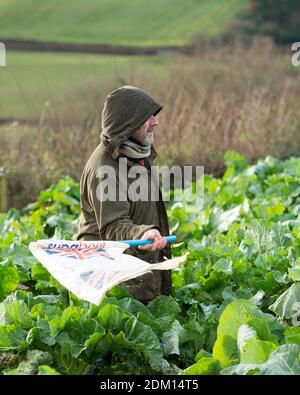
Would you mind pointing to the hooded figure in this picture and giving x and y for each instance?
(123, 215)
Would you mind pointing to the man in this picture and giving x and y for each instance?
(129, 121)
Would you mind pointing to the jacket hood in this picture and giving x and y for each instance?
(125, 110)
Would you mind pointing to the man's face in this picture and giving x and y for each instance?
(145, 134)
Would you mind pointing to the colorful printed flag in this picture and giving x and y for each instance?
(89, 269)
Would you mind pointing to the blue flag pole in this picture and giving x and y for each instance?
(136, 243)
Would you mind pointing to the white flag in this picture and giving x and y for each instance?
(90, 268)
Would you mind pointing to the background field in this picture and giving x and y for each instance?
(225, 98)
(33, 79)
(237, 94)
(139, 22)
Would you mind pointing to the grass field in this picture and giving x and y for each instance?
(116, 22)
(31, 80)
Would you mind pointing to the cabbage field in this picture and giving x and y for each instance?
(235, 304)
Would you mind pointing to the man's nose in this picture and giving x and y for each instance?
(154, 120)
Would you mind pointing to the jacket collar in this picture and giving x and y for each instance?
(114, 152)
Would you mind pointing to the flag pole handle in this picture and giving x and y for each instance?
(136, 243)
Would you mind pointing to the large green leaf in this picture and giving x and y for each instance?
(112, 318)
(14, 338)
(240, 321)
(137, 337)
(9, 279)
(220, 220)
(139, 310)
(204, 366)
(288, 304)
(71, 330)
(171, 339)
(164, 309)
(15, 313)
(162, 306)
(226, 350)
(45, 370)
(238, 313)
(292, 335)
(257, 351)
(283, 361)
(46, 334)
(67, 364)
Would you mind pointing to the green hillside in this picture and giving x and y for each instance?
(117, 22)
(32, 79)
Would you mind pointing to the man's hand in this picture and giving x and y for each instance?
(158, 241)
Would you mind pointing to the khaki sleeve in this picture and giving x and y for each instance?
(112, 215)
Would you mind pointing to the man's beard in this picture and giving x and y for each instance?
(150, 136)
(149, 139)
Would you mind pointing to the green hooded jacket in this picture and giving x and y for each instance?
(125, 110)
